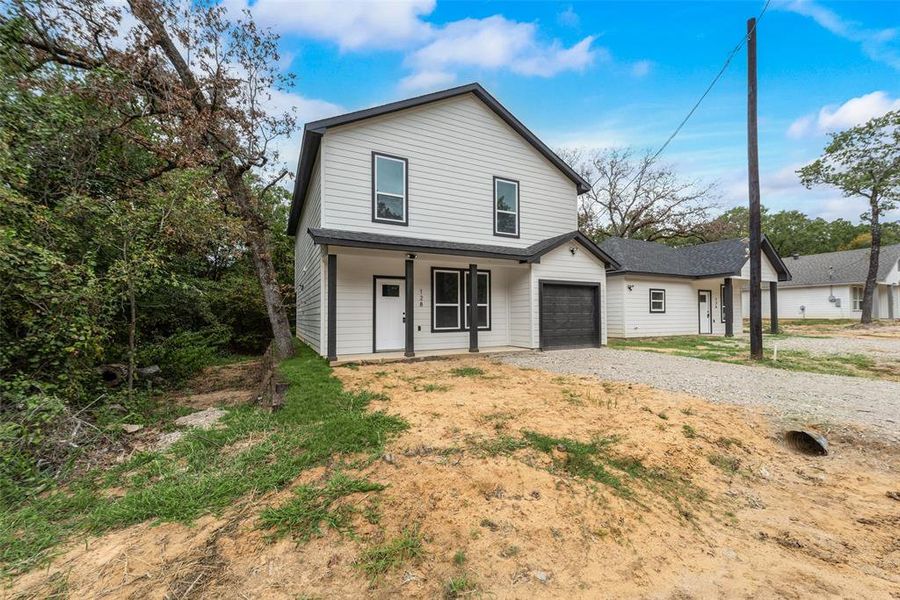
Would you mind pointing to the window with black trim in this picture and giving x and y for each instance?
(445, 296)
(657, 301)
(506, 207)
(450, 303)
(389, 194)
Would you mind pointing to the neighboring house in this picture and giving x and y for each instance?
(830, 286)
(402, 213)
(659, 290)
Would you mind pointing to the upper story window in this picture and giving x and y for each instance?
(856, 297)
(506, 207)
(389, 194)
(657, 301)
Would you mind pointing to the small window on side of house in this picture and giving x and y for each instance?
(506, 207)
(389, 194)
(856, 297)
(657, 301)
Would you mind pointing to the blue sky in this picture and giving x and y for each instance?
(597, 74)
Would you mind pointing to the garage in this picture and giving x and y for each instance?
(570, 315)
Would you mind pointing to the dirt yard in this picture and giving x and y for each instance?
(676, 498)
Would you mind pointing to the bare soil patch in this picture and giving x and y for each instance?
(515, 522)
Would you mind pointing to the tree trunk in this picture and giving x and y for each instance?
(132, 325)
(257, 238)
(254, 226)
(872, 276)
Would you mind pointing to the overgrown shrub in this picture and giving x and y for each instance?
(181, 355)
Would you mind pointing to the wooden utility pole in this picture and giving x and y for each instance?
(756, 340)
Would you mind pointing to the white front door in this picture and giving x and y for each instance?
(390, 298)
(705, 312)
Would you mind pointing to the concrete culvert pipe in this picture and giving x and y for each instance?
(806, 442)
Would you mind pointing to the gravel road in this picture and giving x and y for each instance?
(788, 396)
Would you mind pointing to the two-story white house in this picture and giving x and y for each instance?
(439, 223)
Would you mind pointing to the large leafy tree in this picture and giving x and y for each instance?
(189, 86)
(864, 161)
(633, 196)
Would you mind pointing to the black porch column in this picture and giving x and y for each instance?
(729, 307)
(410, 306)
(773, 305)
(332, 307)
(472, 298)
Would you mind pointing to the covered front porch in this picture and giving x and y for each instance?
(385, 305)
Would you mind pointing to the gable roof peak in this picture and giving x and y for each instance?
(313, 132)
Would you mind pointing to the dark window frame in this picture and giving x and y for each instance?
(375, 217)
(518, 206)
(462, 300)
(465, 293)
(650, 298)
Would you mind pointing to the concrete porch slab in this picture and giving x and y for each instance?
(388, 357)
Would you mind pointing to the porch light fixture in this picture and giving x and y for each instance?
(630, 286)
(572, 250)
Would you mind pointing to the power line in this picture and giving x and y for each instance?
(709, 88)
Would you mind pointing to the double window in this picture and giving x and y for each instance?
(657, 301)
(389, 193)
(450, 299)
(856, 297)
(506, 207)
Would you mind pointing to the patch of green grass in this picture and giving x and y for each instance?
(596, 461)
(728, 464)
(459, 558)
(311, 506)
(734, 350)
(509, 551)
(467, 372)
(503, 445)
(572, 397)
(689, 432)
(436, 387)
(378, 560)
(459, 587)
(662, 415)
(194, 477)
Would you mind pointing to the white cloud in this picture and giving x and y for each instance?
(496, 43)
(351, 24)
(424, 81)
(641, 68)
(852, 112)
(879, 44)
(305, 110)
(568, 17)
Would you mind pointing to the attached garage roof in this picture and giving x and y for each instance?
(715, 259)
(379, 241)
(849, 266)
(313, 132)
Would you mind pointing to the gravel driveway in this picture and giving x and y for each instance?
(786, 395)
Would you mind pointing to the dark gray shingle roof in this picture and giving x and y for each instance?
(367, 239)
(848, 266)
(721, 258)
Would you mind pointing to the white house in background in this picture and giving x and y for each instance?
(404, 212)
(658, 290)
(830, 286)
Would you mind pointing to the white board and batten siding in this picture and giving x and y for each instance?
(814, 302)
(454, 149)
(632, 317)
(309, 268)
(562, 265)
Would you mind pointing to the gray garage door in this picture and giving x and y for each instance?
(570, 315)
